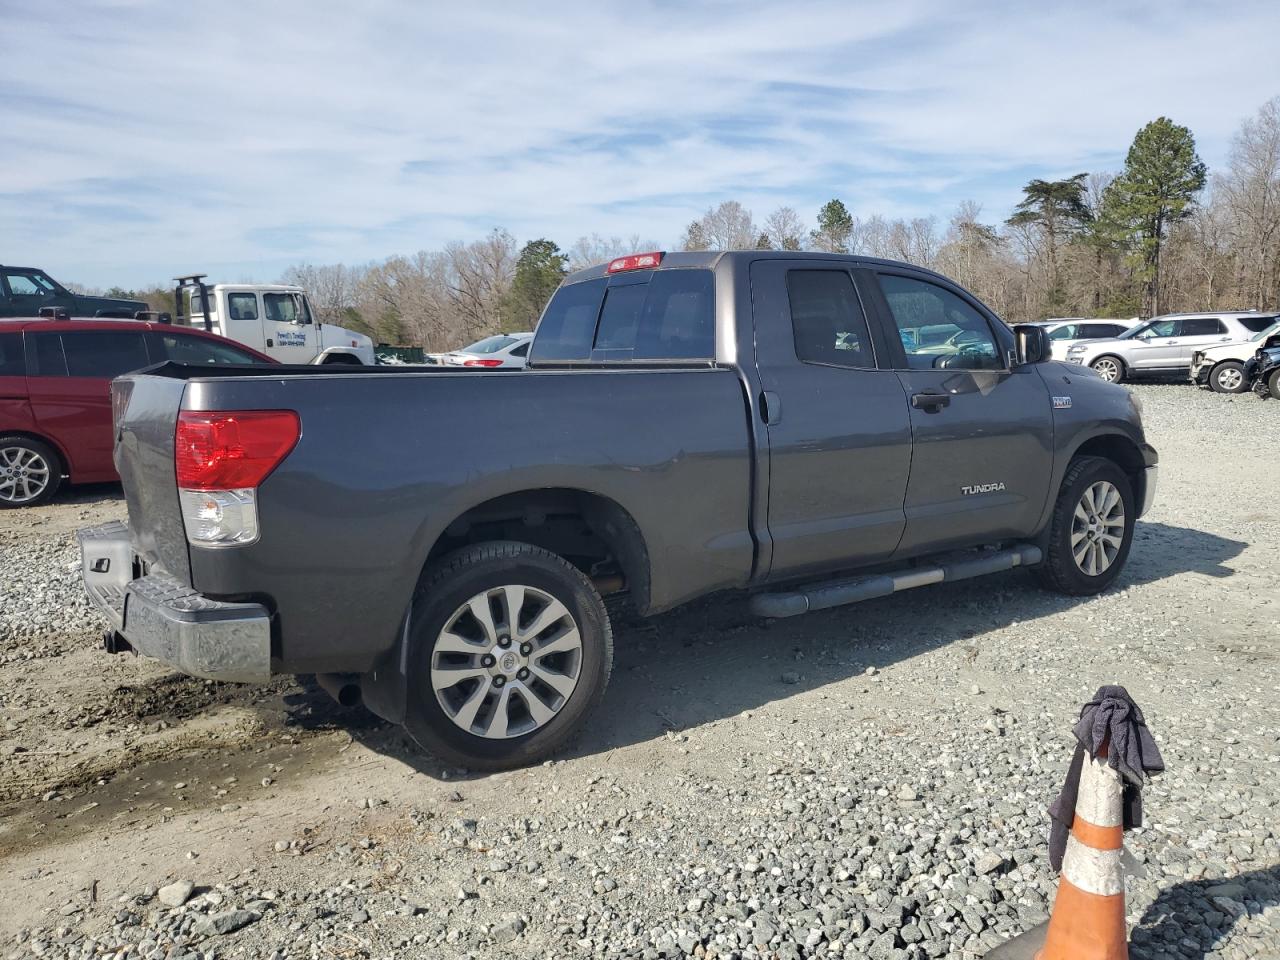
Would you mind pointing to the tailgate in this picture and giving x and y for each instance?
(146, 416)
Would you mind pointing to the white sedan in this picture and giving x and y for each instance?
(502, 350)
(1064, 333)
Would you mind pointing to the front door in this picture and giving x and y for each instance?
(982, 452)
(286, 323)
(839, 434)
(1156, 346)
(29, 291)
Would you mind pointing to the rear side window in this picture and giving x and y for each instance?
(103, 354)
(663, 315)
(1202, 327)
(1256, 324)
(242, 306)
(196, 350)
(49, 359)
(827, 319)
(669, 318)
(12, 361)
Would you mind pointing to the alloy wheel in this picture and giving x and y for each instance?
(24, 474)
(1097, 528)
(1107, 369)
(506, 662)
(1229, 379)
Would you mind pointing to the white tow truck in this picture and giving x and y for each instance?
(273, 318)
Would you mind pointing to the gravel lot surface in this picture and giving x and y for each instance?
(863, 782)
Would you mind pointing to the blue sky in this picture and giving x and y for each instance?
(140, 140)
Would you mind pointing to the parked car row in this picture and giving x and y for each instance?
(1212, 349)
(55, 394)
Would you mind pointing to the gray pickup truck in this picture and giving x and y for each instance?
(813, 429)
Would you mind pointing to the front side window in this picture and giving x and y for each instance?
(827, 321)
(103, 354)
(938, 328)
(12, 361)
(1065, 332)
(1202, 327)
(198, 350)
(283, 308)
(242, 306)
(1160, 328)
(26, 284)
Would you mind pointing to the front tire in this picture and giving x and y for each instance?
(30, 472)
(1091, 529)
(510, 650)
(1273, 385)
(1109, 368)
(1228, 377)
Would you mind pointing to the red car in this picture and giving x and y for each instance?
(55, 398)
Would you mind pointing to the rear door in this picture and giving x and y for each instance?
(286, 324)
(1199, 333)
(839, 433)
(982, 452)
(68, 380)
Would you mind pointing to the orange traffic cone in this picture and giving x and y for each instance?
(1087, 922)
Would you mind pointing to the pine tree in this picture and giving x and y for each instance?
(1158, 187)
(1057, 209)
(835, 227)
(539, 270)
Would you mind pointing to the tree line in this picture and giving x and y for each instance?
(1159, 235)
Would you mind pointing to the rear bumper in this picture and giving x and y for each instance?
(163, 618)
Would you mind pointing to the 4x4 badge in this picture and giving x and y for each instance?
(1062, 403)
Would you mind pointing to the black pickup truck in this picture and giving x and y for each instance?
(26, 291)
(815, 429)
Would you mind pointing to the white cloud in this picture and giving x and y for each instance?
(160, 138)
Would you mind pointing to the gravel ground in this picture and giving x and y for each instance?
(863, 782)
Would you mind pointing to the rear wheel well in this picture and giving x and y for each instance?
(47, 441)
(592, 532)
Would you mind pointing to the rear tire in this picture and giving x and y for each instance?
(492, 689)
(1109, 368)
(1228, 377)
(30, 471)
(1091, 529)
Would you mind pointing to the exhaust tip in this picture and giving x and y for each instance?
(114, 642)
(343, 687)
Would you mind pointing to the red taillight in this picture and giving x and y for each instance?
(232, 450)
(637, 261)
(482, 363)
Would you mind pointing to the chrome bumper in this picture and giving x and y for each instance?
(1149, 490)
(163, 618)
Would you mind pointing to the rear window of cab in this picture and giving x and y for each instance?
(650, 315)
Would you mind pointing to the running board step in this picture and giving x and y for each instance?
(835, 593)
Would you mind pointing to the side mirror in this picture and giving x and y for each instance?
(1031, 344)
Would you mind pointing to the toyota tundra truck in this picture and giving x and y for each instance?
(436, 542)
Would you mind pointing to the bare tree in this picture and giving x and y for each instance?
(726, 227)
(1250, 188)
(587, 251)
(785, 229)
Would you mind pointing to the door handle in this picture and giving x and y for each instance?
(930, 402)
(770, 407)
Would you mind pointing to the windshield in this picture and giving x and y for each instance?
(1263, 334)
(489, 344)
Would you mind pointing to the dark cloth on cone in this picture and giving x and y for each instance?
(1111, 720)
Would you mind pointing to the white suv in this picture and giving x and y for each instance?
(1064, 334)
(1222, 368)
(1164, 345)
